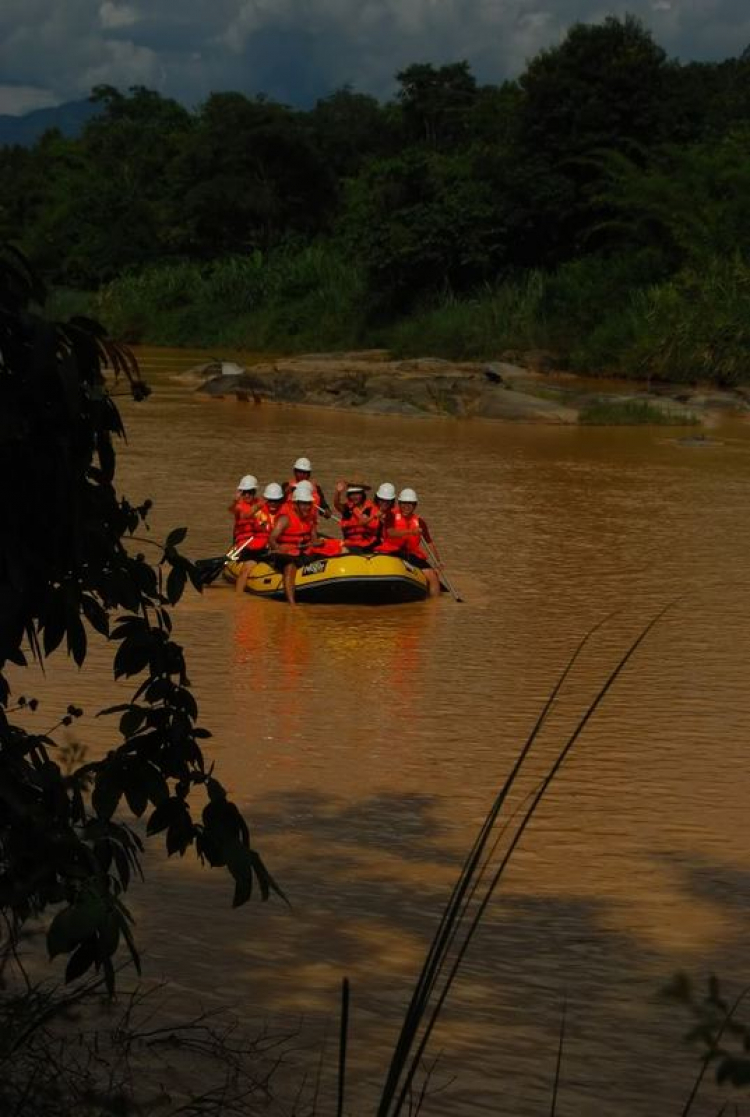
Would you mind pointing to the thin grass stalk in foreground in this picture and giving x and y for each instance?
(452, 914)
(319, 1074)
(702, 1072)
(558, 1064)
(343, 1036)
(476, 884)
(416, 1108)
(456, 922)
(415, 1059)
(531, 810)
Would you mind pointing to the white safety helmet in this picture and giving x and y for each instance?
(386, 491)
(273, 491)
(303, 464)
(303, 491)
(248, 482)
(355, 488)
(407, 496)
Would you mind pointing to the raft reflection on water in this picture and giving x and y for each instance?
(281, 657)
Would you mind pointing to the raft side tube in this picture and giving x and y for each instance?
(341, 580)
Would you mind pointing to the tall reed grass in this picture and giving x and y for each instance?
(599, 315)
(697, 326)
(292, 299)
(509, 316)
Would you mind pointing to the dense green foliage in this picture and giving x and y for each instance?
(597, 206)
(309, 296)
(72, 568)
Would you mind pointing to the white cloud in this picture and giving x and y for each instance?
(124, 64)
(252, 16)
(112, 16)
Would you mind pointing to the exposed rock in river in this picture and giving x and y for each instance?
(699, 442)
(200, 374)
(370, 381)
(499, 403)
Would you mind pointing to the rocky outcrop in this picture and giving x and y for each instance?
(496, 403)
(209, 370)
(699, 442)
(371, 381)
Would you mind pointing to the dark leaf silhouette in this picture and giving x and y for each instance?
(67, 857)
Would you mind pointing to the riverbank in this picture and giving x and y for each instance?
(596, 317)
(522, 387)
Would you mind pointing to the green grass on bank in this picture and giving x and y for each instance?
(621, 413)
(599, 316)
(297, 300)
(510, 316)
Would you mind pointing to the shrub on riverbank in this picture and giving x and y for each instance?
(505, 317)
(566, 310)
(692, 327)
(293, 300)
(697, 326)
(602, 317)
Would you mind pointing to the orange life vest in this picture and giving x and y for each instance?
(244, 519)
(360, 524)
(328, 548)
(406, 544)
(292, 485)
(263, 522)
(297, 535)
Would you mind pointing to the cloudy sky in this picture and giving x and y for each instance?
(297, 50)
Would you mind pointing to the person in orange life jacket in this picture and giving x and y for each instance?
(302, 472)
(360, 518)
(243, 508)
(385, 498)
(293, 534)
(266, 513)
(402, 534)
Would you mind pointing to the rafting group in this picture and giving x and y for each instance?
(277, 532)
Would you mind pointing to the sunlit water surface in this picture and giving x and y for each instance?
(366, 744)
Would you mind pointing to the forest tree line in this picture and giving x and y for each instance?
(597, 205)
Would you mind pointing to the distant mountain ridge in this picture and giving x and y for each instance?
(25, 130)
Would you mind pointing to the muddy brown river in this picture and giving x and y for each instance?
(365, 746)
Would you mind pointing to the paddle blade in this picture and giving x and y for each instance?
(210, 569)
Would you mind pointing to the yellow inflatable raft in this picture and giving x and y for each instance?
(341, 580)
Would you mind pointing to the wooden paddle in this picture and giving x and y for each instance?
(441, 570)
(210, 569)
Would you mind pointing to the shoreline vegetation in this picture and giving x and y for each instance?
(594, 207)
(685, 330)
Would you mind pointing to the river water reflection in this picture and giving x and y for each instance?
(366, 745)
